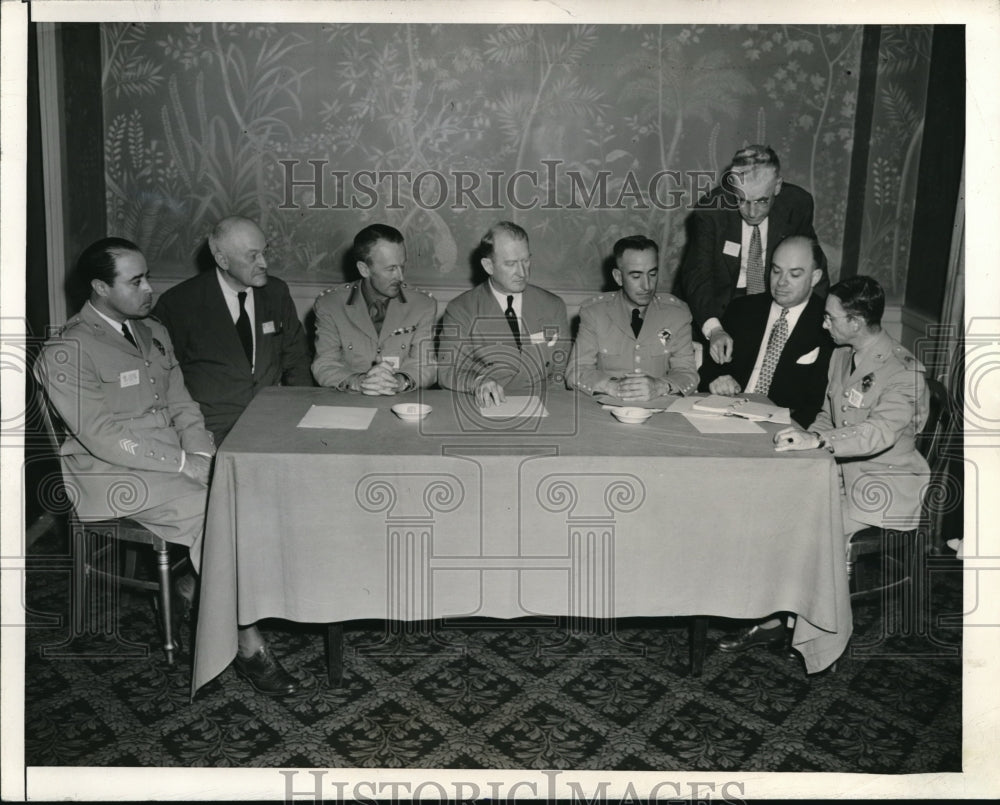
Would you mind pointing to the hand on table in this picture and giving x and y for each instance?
(795, 439)
(379, 380)
(720, 345)
(489, 393)
(641, 388)
(725, 385)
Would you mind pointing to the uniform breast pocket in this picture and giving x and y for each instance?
(123, 389)
(654, 360)
(611, 361)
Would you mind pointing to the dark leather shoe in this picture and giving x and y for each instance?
(265, 673)
(753, 636)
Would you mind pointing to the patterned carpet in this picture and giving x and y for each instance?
(498, 695)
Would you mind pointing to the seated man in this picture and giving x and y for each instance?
(876, 403)
(371, 337)
(733, 234)
(634, 344)
(235, 329)
(504, 335)
(137, 444)
(780, 346)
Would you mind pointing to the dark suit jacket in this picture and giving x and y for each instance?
(708, 276)
(476, 340)
(800, 387)
(216, 371)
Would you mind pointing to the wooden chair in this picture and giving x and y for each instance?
(105, 563)
(901, 551)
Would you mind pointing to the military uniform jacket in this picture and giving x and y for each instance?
(800, 378)
(128, 414)
(476, 341)
(871, 418)
(606, 347)
(710, 269)
(216, 370)
(346, 341)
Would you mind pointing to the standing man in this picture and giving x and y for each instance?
(504, 335)
(780, 346)
(733, 232)
(634, 344)
(373, 336)
(235, 329)
(876, 403)
(137, 444)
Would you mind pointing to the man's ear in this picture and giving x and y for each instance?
(616, 274)
(100, 287)
(816, 277)
(363, 268)
(220, 259)
(777, 186)
(487, 264)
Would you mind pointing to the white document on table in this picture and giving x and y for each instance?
(722, 424)
(337, 417)
(516, 407)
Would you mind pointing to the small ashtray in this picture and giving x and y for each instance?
(631, 415)
(411, 412)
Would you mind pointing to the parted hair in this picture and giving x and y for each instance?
(639, 243)
(863, 297)
(368, 237)
(509, 228)
(97, 261)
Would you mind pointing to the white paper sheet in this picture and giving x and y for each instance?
(516, 407)
(337, 417)
(722, 424)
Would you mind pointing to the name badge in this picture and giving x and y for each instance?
(268, 328)
(392, 360)
(126, 379)
(855, 398)
(731, 248)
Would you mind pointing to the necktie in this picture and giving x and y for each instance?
(512, 321)
(243, 328)
(755, 264)
(128, 336)
(775, 343)
(636, 322)
(377, 311)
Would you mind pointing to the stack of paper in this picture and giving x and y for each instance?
(742, 408)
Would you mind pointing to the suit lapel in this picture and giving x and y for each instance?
(734, 233)
(357, 312)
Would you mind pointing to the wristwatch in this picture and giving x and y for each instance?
(822, 440)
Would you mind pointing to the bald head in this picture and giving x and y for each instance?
(238, 246)
(795, 270)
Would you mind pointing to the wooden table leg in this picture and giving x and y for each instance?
(699, 636)
(335, 654)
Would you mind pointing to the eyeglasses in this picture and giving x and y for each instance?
(828, 318)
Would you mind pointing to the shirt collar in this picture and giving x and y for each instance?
(116, 326)
(502, 297)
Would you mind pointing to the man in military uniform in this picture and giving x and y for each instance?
(876, 403)
(505, 335)
(373, 336)
(137, 444)
(634, 344)
(235, 329)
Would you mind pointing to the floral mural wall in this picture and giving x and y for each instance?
(580, 133)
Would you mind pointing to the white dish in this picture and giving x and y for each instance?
(411, 412)
(631, 415)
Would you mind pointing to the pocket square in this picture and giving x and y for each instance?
(809, 357)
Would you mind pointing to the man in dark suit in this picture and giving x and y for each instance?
(787, 362)
(235, 329)
(732, 235)
(504, 335)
